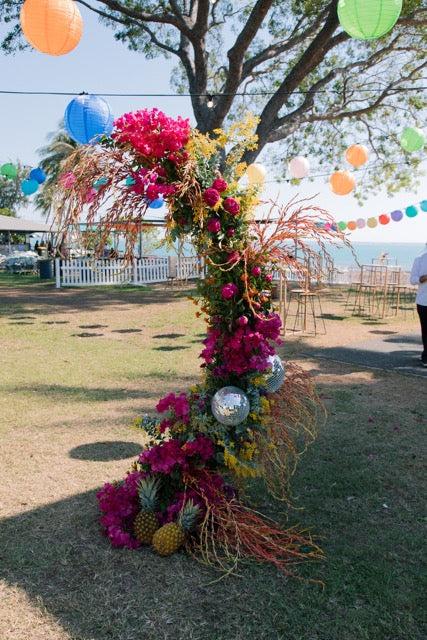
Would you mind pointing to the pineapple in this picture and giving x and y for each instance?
(146, 522)
(171, 536)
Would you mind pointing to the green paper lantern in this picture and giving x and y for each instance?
(412, 139)
(368, 19)
(342, 225)
(9, 170)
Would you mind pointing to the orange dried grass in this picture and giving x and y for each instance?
(292, 427)
(230, 532)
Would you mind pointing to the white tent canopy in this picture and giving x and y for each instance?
(19, 225)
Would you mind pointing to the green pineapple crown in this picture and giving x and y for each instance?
(188, 515)
(148, 489)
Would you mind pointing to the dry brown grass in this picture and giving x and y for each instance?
(78, 366)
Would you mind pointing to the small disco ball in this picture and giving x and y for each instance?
(274, 379)
(230, 406)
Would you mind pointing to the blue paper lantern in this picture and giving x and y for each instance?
(411, 211)
(156, 204)
(129, 181)
(87, 117)
(423, 205)
(29, 186)
(38, 175)
(99, 183)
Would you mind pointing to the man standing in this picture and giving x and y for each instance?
(419, 277)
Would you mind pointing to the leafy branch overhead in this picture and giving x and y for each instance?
(313, 88)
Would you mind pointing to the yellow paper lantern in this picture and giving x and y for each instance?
(342, 182)
(357, 155)
(52, 26)
(256, 173)
(372, 223)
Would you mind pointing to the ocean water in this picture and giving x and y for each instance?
(401, 254)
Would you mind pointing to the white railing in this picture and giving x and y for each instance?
(85, 272)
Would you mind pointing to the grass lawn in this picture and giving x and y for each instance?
(79, 365)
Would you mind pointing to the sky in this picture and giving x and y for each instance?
(100, 65)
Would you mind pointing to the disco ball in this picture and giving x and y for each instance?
(274, 379)
(230, 406)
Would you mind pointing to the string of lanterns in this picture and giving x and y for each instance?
(384, 218)
(29, 185)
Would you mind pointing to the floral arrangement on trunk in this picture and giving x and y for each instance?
(250, 416)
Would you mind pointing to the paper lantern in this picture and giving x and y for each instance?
(383, 218)
(342, 226)
(299, 167)
(423, 205)
(411, 211)
(256, 173)
(372, 223)
(368, 19)
(360, 223)
(99, 183)
(351, 226)
(29, 186)
(156, 204)
(52, 26)
(230, 406)
(342, 182)
(129, 181)
(412, 139)
(357, 155)
(9, 170)
(38, 175)
(396, 215)
(86, 117)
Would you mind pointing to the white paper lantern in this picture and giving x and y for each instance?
(256, 173)
(299, 167)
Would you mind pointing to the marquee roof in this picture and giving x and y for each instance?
(19, 225)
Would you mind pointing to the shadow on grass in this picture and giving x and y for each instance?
(105, 451)
(79, 394)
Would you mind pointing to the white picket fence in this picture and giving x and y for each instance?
(85, 272)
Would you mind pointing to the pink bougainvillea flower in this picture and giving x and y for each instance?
(213, 225)
(91, 195)
(211, 197)
(256, 271)
(269, 277)
(229, 290)
(232, 206)
(243, 321)
(220, 185)
(67, 179)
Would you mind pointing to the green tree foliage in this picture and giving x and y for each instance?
(59, 147)
(11, 195)
(314, 89)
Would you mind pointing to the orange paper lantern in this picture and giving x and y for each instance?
(357, 155)
(351, 226)
(342, 182)
(52, 26)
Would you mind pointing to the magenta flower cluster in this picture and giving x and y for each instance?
(153, 134)
(164, 457)
(120, 505)
(247, 348)
(178, 409)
